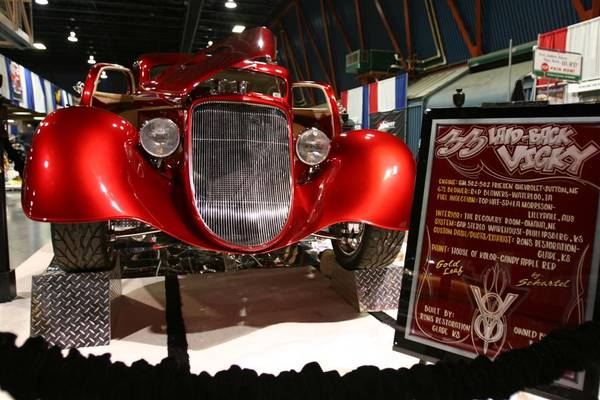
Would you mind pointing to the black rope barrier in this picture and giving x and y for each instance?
(37, 371)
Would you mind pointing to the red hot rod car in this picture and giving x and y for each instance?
(220, 151)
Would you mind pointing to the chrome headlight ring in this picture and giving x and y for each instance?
(312, 146)
(160, 137)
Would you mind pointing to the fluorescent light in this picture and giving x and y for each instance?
(39, 46)
(41, 2)
(238, 29)
(72, 37)
(10, 121)
(38, 118)
(21, 113)
(91, 60)
(230, 4)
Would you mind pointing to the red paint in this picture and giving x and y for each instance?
(555, 40)
(373, 89)
(86, 164)
(344, 99)
(253, 44)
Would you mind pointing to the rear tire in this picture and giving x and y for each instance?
(365, 246)
(81, 247)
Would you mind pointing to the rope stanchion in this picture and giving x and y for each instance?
(37, 371)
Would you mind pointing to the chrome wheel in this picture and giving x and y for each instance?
(351, 236)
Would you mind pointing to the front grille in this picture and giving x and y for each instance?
(241, 170)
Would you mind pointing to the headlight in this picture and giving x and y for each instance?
(160, 137)
(312, 146)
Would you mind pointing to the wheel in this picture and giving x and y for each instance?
(81, 247)
(364, 246)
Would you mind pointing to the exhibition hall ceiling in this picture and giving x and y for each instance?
(118, 31)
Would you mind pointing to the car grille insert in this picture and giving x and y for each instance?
(241, 170)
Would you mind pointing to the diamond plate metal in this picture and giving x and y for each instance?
(368, 290)
(378, 289)
(74, 309)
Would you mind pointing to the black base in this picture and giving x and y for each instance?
(8, 286)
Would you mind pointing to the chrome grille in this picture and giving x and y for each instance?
(241, 170)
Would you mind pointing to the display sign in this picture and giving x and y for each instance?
(557, 64)
(504, 241)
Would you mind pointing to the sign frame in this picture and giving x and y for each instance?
(423, 350)
(557, 76)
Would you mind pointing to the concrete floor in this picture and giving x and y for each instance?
(25, 236)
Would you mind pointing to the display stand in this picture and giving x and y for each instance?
(367, 290)
(8, 288)
(74, 309)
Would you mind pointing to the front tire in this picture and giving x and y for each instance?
(81, 247)
(364, 246)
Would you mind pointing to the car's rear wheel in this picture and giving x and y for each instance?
(81, 247)
(362, 246)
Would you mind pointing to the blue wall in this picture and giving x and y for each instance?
(501, 20)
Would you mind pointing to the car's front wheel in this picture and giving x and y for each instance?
(362, 246)
(81, 247)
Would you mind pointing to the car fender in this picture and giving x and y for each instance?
(368, 177)
(84, 165)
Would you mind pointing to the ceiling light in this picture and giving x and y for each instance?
(10, 121)
(230, 4)
(39, 46)
(91, 60)
(41, 2)
(39, 118)
(210, 42)
(238, 29)
(21, 113)
(72, 37)
(103, 75)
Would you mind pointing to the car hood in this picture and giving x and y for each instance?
(253, 44)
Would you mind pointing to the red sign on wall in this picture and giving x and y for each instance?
(504, 242)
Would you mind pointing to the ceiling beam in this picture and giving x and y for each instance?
(192, 19)
(122, 4)
(407, 31)
(584, 14)
(388, 28)
(361, 31)
(101, 24)
(341, 27)
(474, 49)
(72, 13)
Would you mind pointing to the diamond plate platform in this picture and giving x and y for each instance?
(74, 309)
(368, 290)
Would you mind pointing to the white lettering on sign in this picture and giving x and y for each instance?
(547, 149)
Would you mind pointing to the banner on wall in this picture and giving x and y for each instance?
(25, 89)
(370, 104)
(582, 38)
(505, 236)
(390, 121)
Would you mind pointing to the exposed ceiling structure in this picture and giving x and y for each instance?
(118, 31)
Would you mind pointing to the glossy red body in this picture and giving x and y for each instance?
(86, 165)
